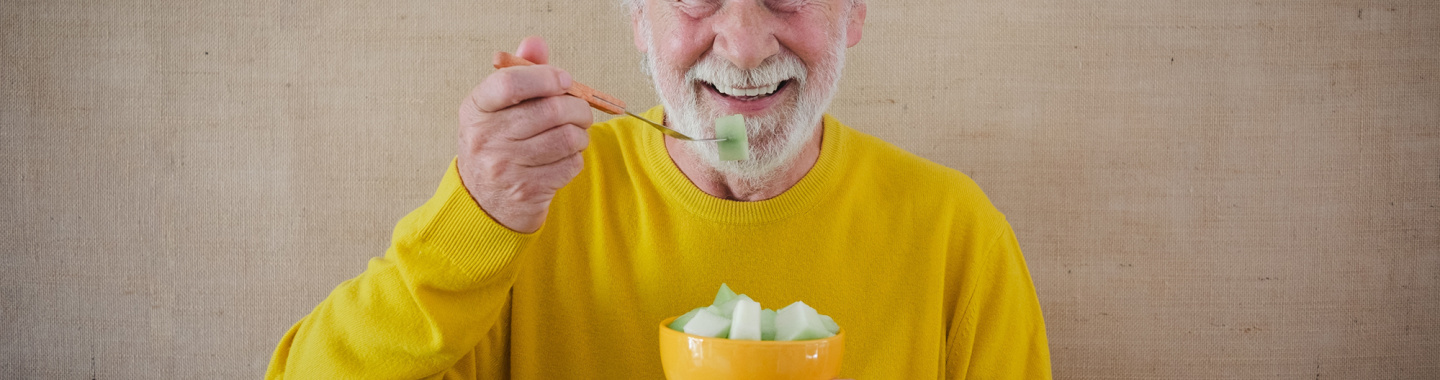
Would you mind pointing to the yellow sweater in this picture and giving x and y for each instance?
(909, 257)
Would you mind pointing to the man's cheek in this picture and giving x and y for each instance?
(682, 47)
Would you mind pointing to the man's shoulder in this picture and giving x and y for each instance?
(614, 145)
(913, 178)
(899, 161)
(608, 133)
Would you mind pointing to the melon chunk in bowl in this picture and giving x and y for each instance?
(708, 324)
(800, 322)
(747, 343)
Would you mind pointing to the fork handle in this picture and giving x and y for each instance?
(599, 100)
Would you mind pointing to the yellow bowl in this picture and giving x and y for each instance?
(694, 357)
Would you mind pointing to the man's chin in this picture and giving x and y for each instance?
(772, 151)
(762, 116)
(773, 127)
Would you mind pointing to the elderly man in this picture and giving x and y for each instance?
(553, 248)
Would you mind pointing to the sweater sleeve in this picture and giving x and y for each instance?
(441, 286)
(1000, 332)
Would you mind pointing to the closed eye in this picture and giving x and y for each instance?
(786, 6)
(697, 8)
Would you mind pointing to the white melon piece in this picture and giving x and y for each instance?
(793, 305)
(723, 296)
(799, 322)
(728, 308)
(767, 324)
(679, 323)
(745, 322)
(830, 324)
(708, 324)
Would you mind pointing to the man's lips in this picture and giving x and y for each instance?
(746, 104)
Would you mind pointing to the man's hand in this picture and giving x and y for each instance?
(520, 139)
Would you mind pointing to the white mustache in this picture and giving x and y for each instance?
(720, 72)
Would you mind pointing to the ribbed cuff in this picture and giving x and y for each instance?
(461, 232)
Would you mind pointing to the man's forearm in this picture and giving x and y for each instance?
(414, 312)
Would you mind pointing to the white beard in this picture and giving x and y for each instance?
(776, 137)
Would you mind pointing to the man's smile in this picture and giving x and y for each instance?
(746, 100)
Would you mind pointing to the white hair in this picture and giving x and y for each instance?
(777, 137)
(631, 6)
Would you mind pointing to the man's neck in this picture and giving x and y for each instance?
(720, 186)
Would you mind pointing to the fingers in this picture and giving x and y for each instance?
(550, 146)
(513, 85)
(535, 116)
(564, 170)
(520, 139)
(533, 49)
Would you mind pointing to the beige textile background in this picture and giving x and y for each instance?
(1241, 189)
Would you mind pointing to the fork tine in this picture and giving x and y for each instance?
(599, 100)
(667, 131)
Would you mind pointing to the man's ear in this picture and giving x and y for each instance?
(637, 30)
(857, 22)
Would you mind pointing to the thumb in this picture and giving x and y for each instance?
(533, 49)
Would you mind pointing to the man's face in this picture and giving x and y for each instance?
(777, 62)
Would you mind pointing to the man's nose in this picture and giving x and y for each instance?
(744, 34)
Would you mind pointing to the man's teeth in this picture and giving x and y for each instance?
(739, 92)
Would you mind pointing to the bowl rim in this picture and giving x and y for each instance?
(665, 326)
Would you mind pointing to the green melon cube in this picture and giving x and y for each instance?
(797, 304)
(727, 309)
(799, 322)
(767, 324)
(723, 296)
(679, 323)
(708, 324)
(736, 145)
(830, 324)
(745, 323)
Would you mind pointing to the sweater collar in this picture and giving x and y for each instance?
(812, 188)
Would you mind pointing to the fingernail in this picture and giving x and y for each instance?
(565, 79)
